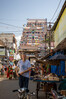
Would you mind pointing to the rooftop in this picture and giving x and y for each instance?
(6, 33)
(38, 20)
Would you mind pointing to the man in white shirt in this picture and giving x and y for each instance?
(24, 68)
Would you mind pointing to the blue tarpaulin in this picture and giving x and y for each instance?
(59, 70)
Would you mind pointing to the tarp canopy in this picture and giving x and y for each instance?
(60, 70)
(58, 57)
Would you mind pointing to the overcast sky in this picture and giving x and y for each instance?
(16, 13)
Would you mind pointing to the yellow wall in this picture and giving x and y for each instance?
(60, 31)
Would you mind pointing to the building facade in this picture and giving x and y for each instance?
(2, 48)
(36, 36)
(59, 29)
(8, 39)
(33, 34)
(10, 43)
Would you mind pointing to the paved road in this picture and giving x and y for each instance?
(6, 87)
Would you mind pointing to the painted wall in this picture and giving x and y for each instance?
(60, 31)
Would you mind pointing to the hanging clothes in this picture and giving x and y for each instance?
(48, 69)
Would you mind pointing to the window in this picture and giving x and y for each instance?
(32, 37)
(21, 42)
(36, 41)
(42, 39)
(42, 32)
(29, 41)
(36, 37)
(40, 24)
(33, 41)
(35, 23)
(32, 31)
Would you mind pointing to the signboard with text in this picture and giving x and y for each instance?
(2, 51)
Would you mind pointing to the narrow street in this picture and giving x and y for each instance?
(6, 87)
(33, 49)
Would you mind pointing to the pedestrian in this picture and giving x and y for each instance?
(5, 69)
(32, 70)
(24, 68)
(10, 72)
(2, 70)
(14, 72)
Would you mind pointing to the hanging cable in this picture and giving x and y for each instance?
(55, 10)
(10, 25)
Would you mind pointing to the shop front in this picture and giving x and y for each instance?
(49, 71)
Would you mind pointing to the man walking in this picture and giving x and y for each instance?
(24, 68)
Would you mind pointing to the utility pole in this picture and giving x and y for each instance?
(49, 37)
(6, 41)
(45, 42)
(6, 46)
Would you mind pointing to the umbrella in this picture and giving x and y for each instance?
(58, 57)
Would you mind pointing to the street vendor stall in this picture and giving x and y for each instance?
(46, 81)
(47, 86)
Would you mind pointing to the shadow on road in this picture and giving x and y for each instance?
(7, 86)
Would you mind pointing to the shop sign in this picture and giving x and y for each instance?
(2, 51)
(11, 52)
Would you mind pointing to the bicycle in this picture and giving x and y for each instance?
(22, 94)
(56, 95)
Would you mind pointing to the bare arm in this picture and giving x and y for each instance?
(16, 69)
(25, 71)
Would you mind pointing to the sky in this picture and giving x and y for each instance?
(15, 13)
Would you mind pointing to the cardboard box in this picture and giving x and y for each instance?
(63, 92)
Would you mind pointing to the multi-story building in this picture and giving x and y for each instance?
(33, 34)
(37, 36)
(10, 42)
(8, 39)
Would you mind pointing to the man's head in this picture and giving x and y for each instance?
(23, 56)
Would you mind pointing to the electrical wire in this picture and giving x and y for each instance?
(12, 19)
(10, 31)
(56, 10)
(10, 25)
(55, 18)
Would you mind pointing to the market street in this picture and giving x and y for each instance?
(6, 87)
(33, 49)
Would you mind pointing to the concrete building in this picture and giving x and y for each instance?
(33, 34)
(59, 29)
(8, 39)
(10, 43)
(2, 49)
(2, 53)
